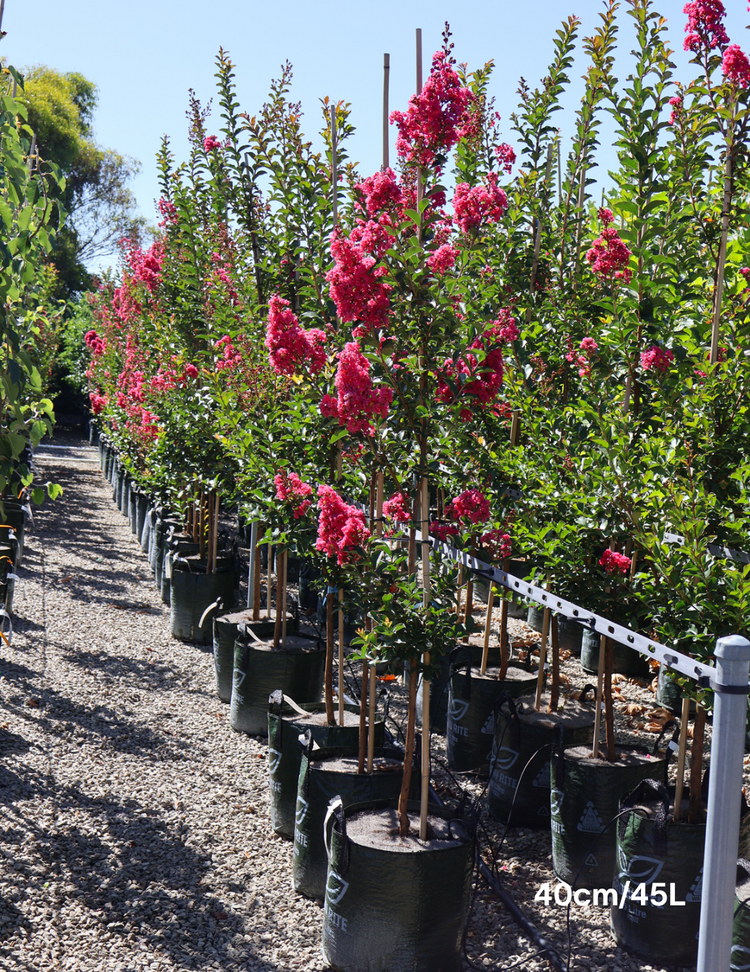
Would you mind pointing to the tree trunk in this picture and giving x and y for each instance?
(554, 689)
(609, 712)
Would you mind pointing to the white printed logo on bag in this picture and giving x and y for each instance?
(458, 710)
(274, 758)
(556, 801)
(336, 887)
(489, 727)
(301, 810)
(739, 954)
(505, 757)
(542, 778)
(696, 888)
(639, 870)
(590, 822)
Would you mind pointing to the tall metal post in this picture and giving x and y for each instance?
(723, 819)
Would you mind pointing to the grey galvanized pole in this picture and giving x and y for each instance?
(251, 572)
(723, 819)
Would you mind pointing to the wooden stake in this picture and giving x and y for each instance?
(256, 580)
(386, 79)
(425, 791)
(334, 168)
(330, 715)
(269, 547)
(554, 689)
(599, 695)
(363, 719)
(379, 490)
(487, 628)
(542, 659)
(469, 607)
(202, 530)
(411, 719)
(284, 575)
(341, 656)
(504, 653)
(696, 766)
(726, 206)
(609, 711)
(215, 532)
(279, 586)
(684, 719)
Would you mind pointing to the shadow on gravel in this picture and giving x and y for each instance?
(132, 870)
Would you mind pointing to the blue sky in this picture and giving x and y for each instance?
(144, 55)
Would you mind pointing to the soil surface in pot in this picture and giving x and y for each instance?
(351, 719)
(572, 713)
(295, 645)
(347, 764)
(379, 830)
(625, 757)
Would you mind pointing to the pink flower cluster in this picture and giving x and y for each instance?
(582, 361)
(497, 544)
(476, 383)
(222, 276)
(168, 211)
(98, 403)
(291, 489)
(382, 192)
(145, 265)
(190, 372)
(231, 355)
(96, 345)
(677, 108)
(290, 347)
(609, 256)
(443, 531)
(605, 216)
(704, 29)
(442, 259)
(475, 205)
(471, 506)
(504, 327)
(149, 429)
(341, 528)
(357, 401)
(210, 143)
(735, 66)
(656, 358)
(397, 508)
(436, 118)
(615, 563)
(506, 157)
(356, 286)
(164, 380)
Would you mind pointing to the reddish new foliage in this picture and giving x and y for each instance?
(341, 528)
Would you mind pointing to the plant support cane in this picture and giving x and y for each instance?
(426, 693)
(373, 684)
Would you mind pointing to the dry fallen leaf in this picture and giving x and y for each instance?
(653, 686)
(633, 709)
(640, 682)
(653, 727)
(616, 679)
(654, 665)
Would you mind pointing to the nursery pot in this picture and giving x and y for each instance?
(519, 789)
(395, 904)
(586, 796)
(740, 954)
(625, 660)
(324, 774)
(13, 528)
(535, 617)
(140, 514)
(472, 699)
(192, 590)
(285, 724)
(133, 508)
(439, 686)
(297, 670)
(226, 631)
(654, 853)
(148, 524)
(569, 635)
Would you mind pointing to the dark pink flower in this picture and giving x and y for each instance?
(735, 66)
(355, 283)
(397, 508)
(210, 143)
(475, 205)
(290, 347)
(442, 259)
(609, 256)
(677, 109)
(436, 118)
(615, 563)
(381, 191)
(656, 358)
(605, 216)
(471, 506)
(704, 28)
(497, 544)
(341, 528)
(357, 402)
(506, 157)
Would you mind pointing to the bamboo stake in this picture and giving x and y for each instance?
(487, 627)
(216, 531)
(426, 683)
(252, 570)
(341, 656)
(283, 599)
(420, 180)
(386, 79)
(599, 693)
(279, 586)
(542, 659)
(257, 579)
(696, 765)
(268, 581)
(362, 719)
(682, 749)
(538, 236)
(554, 690)
(334, 168)
(504, 653)
(609, 712)
(469, 608)
(403, 817)
(722, 257)
(330, 716)
(379, 489)
(201, 530)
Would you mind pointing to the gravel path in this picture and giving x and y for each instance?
(135, 832)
